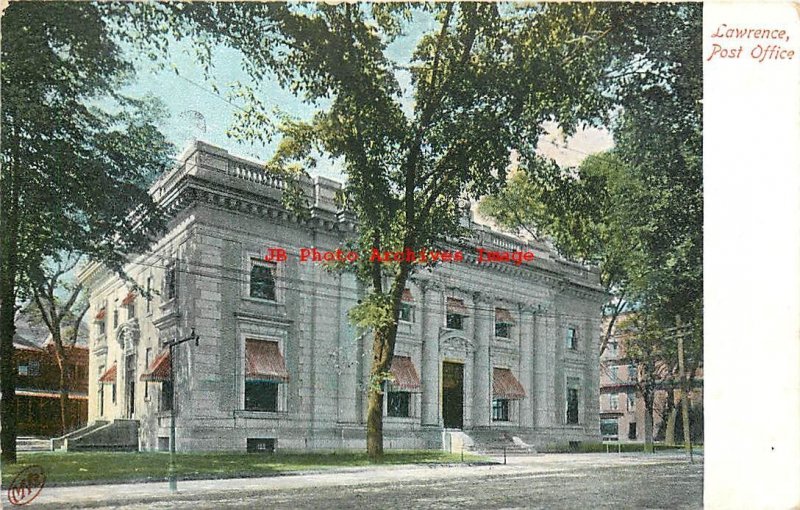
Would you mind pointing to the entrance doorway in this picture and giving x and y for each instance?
(130, 384)
(453, 395)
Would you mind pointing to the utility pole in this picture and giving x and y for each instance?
(173, 476)
(684, 390)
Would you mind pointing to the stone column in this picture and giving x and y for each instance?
(525, 333)
(544, 373)
(432, 308)
(347, 353)
(482, 369)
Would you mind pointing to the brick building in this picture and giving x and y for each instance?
(622, 409)
(491, 349)
(38, 382)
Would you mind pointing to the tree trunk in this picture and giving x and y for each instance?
(382, 353)
(8, 370)
(8, 366)
(64, 395)
(648, 422)
(375, 424)
(671, 413)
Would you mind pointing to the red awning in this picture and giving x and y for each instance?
(503, 316)
(110, 375)
(505, 385)
(405, 375)
(456, 306)
(407, 296)
(158, 371)
(264, 362)
(101, 315)
(129, 299)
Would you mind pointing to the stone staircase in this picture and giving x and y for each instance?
(497, 442)
(117, 435)
(32, 444)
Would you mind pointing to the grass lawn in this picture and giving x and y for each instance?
(77, 468)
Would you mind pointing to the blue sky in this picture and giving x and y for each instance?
(195, 110)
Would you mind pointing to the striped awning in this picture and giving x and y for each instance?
(405, 375)
(158, 371)
(503, 316)
(101, 315)
(130, 298)
(110, 375)
(505, 385)
(407, 296)
(264, 362)
(456, 306)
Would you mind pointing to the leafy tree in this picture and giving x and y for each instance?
(56, 304)
(482, 83)
(77, 157)
(636, 211)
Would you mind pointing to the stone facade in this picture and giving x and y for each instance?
(225, 214)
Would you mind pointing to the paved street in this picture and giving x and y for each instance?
(593, 481)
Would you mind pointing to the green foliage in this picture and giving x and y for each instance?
(77, 155)
(637, 210)
(374, 312)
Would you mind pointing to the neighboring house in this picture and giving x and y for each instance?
(38, 386)
(622, 409)
(489, 348)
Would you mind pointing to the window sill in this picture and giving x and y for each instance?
(260, 415)
(400, 419)
(167, 304)
(261, 300)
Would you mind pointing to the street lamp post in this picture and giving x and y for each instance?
(173, 478)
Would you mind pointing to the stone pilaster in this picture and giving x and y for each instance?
(482, 369)
(347, 353)
(544, 370)
(432, 308)
(526, 339)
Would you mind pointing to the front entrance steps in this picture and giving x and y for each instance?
(118, 435)
(32, 444)
(497, 442)
(456, 441)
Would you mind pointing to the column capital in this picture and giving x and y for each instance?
(483, 297)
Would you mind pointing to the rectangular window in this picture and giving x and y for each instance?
(101, 328)
(398, 404)
(609, 427)
(455, 321)
(262, 280)
(406, 312)
(116, 319)
(614, 373)
(572, 339)
(500, 409)
(260, 396)
(148, 359)
(165, 403)
(170, 283)
(572, 406)
(632, 430)
(502, 329)
(260, 445)
(613, 402)
(22, 369)
(149, 297)
(114, 393)
(612, 348)
(33, 368)
(131, 311)
(633, 373)
(631, 401)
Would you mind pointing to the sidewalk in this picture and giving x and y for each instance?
(93, 496)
